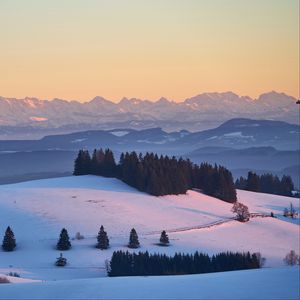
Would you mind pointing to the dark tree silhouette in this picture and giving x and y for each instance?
(61, 261)
(102, 239)
(159, 175)
(9, 242)
(82, 165)
(143, 264)
(133, 239)
(164, 239)
(266, 183)
(241, 211)
(64, 241)
(253, 183)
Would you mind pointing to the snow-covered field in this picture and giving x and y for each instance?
(279, 283)
(37, 211)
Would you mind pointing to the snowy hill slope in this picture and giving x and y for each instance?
(281, 283)
(38, 210)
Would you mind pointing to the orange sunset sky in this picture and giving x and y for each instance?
(148, 48)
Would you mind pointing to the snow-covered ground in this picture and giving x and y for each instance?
(279, 283)
(37, 211)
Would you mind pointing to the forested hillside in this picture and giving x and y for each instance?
(158, 175)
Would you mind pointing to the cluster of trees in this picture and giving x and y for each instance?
(143, 264)
(158, 175)
(64, 243)
(101, 163)
(266, 183)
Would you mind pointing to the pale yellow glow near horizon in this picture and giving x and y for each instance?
(148, 49)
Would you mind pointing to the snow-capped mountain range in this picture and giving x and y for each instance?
(201, 112)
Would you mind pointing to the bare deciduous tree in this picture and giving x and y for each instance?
(292, 258)
(241, 211)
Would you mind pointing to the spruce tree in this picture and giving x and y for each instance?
(133, 239)
(97, 162)
(82, 164)
(9, 242)
(253, 182)
(164, 239)
(103, 241)
(64, 241)
(109, 168)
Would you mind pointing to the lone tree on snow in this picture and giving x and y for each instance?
(103, 241)
(64, 241)
(9, 241)
(164, 239)
(241, 211)
(133, 239)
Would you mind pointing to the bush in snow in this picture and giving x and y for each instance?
(285, 212)
(64, 241)
(292, 258)
(9, 242)
(103, 241)
(242, 212)
(133, 239)
(164, 239)
(291, 212)
(61, 261)
(78, 236)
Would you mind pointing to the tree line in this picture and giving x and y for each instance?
(64, 243)
(158, 175)
(145, 264)
(266, 183)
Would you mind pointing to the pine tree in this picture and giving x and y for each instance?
(64, 241)
(133, 239)
(109, 168)
(103, 241)
(253, 182)
(97, 162)
(82, 165)
(164, 239)
(9, 242)
(287, 185)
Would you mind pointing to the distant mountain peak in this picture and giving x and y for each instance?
(99, 99)
(274, 96)
(163, 100)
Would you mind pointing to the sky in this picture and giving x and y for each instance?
(147, 48)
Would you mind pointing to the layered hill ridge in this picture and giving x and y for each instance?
(235, 133)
